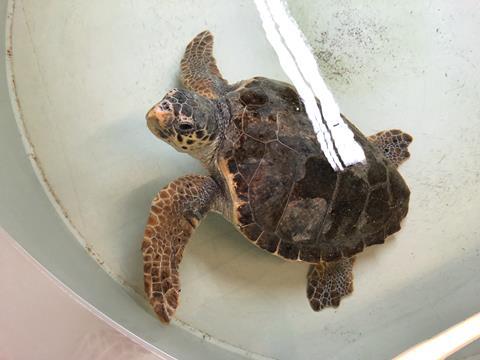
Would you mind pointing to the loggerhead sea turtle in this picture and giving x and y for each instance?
(269, 177)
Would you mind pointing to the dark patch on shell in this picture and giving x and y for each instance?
(248, 154)
(253, 97)
(348, 206)
(259, 127)
(319, 180)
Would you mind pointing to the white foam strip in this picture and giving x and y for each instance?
(290, 67)
(349, 151)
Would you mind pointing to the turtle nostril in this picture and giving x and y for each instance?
(165, 105)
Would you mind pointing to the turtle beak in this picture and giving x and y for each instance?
(157, 119)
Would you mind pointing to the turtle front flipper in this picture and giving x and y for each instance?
(328, 282)
(393, 144)
(175, 213)
(199, 69)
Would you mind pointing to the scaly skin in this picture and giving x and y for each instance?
(175, 213)
(199, 69)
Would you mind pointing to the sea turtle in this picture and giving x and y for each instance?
(269, 177)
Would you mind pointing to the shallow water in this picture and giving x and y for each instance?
(85, 74)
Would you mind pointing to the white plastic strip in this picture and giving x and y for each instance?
(297, 60)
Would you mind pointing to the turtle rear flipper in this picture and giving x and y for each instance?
(199, 71)
(328, 282)
(393, 143)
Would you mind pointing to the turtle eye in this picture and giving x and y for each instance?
(185, 127)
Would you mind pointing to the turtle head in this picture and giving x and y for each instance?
(187, 121)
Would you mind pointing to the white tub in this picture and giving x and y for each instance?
(79, 168)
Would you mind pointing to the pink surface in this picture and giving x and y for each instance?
(42, 319)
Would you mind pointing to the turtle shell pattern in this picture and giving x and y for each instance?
(285, 196)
